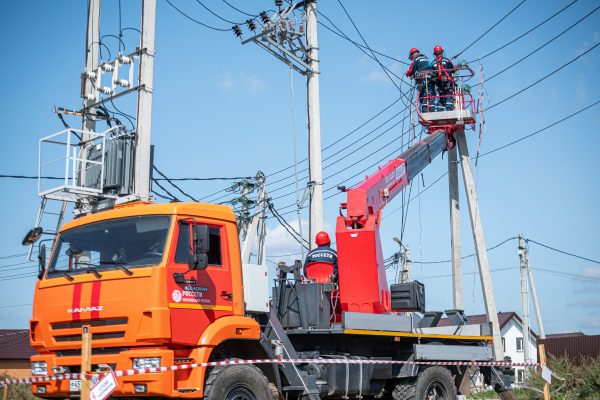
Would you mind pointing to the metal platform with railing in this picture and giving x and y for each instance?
(457, 108)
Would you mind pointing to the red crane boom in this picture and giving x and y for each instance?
(362, 282)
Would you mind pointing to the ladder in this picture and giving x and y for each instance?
(43, 215)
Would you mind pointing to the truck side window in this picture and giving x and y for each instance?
(214, 253)
(183, 245)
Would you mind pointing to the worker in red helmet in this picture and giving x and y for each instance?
(322, 254)
(418, 71)
(444, 80)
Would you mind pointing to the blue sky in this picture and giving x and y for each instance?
(222, 109)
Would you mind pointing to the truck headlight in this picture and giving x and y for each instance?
(39, 368)
(146, 362)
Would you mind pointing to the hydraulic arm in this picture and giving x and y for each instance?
(362, 283)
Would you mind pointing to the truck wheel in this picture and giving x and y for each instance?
(435, 383)
(404, 390)
(237, 382)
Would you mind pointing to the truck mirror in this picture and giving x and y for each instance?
(41, 261)
(202, 239)
(32, 236)
(198, 259)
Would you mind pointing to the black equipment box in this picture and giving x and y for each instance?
(408, 296)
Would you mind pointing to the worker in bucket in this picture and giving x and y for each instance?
(444, 81)
(425, 87)
(321, 262)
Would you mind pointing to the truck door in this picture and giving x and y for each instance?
(198, 297)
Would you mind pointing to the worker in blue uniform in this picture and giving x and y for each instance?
(322, 255)
(443, 78)
(425, 87)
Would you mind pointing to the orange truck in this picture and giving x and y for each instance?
(163, 285)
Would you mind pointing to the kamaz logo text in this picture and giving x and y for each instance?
(85, 309)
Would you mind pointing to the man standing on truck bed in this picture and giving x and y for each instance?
(321, 262)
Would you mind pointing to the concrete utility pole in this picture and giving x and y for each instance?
(315, 172)
(457, 289)
(141, 180)
(92, 44)
(480, 247)
(524, 297)
(536, 304)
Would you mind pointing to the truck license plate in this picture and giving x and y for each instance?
(75, 384)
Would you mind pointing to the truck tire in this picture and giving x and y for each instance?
(405, 390)
(435, 383)
(237, 382)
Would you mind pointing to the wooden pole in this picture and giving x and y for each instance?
(5, 395)
(86, 362)
(542, 352)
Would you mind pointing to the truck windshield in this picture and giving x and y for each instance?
(117, 243)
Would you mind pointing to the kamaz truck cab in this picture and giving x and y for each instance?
(158, 284)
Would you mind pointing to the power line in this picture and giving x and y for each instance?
(196, 21)
(345, 37)
(544, 77)
(541, 130)
(173, 197)
(217, 15)
(464, 257)
(490, 29)
(542, 46)
(562, 251)
(13, 256)
(238, 10)
(582, 278)
(172, 184)
(12, 306)
(526, 33)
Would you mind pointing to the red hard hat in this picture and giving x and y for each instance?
(438, 49)
(322, 239)
(411, 51)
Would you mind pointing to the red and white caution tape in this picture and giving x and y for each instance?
(140, 371)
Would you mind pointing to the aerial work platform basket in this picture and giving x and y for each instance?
(446, 111)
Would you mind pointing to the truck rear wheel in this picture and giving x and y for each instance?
(237, 382)
(435, 383)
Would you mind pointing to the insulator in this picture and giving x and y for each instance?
(105, 90)
(89, 74)
(237, 31)
(125, 60)
(264, 17)
(122, 82)
(251, 25)
(107, 67)
(90, 97)
(278, 3)
(301, 28)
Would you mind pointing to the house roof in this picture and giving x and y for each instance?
(503, 319)
(14, 344)
(564, 335)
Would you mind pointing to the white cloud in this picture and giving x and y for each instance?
(580, 88)
(590, 272)
(241, 82)
(591, 322)
(587, 303)
(378, 75)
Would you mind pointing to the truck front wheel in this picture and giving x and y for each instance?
(237, 382)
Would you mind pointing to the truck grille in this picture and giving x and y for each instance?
(95, 336)
(79, 324)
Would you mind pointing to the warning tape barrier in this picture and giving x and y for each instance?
(177, 367)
